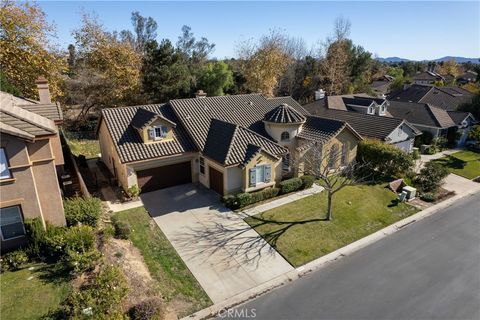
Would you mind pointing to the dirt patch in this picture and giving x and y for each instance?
(124, 254)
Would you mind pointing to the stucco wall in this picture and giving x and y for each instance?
(276, 130)
(56, 146)
(110, 157)
(262, 159)
(234, 180)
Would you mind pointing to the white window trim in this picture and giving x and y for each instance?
(23, 225)
(200, 165)
(161, 137)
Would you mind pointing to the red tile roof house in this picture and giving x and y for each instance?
(228, 143)
(30, 160)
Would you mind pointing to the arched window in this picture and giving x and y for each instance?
(285, 136)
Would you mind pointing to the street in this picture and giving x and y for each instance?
(429, 270)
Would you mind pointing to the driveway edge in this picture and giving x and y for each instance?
(324, 260)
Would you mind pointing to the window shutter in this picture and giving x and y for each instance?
(268, 173)
(151, 133)
(164, 131)
(253, 177)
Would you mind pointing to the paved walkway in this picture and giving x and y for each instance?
(224, 253)
(459, 184)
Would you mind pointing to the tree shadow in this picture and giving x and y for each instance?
(452, 162)
(235, 236)
(56, 273)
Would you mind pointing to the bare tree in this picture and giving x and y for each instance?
(341, 28)
(332, 167)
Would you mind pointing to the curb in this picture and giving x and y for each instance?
(324, 260)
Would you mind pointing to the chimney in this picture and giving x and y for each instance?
(319, 94)
(43, 91)
(200, 94)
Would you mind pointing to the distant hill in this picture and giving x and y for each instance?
(446, 58)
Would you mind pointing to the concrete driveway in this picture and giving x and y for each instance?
(224, 254)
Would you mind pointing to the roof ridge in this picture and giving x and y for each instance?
(231, 141)
(16, 112)
(429, 90)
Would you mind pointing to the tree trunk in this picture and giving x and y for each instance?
(329, 206)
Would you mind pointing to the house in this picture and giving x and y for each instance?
(466, 77)
(30, 161)
(395, 131)
(227, 143)
(464, 121)
(447, 98)
(361, 103)
(381, 85)
(427, 77)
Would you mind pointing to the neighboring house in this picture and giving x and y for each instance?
(361, 103)
(228, 143)
(468, 76)
(30, 160)
(394, 131)
(447, 98)
(464, 121)
(427, 77)
(381, 85)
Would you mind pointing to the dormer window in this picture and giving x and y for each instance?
(370, 110)
(158, 132)
(285, 136)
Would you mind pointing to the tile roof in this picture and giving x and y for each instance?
(128, 142)
(284, 114)
(51, 111)
(344, 102)
(367, 125)
(421, 114)
(144, 117)
(447, 98)
(246, 110)
(231, 144)
(28, 122)
(459, 116)
(320, 129)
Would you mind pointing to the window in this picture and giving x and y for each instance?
(11, 223)
(202, 165)
(285, 136)
(333, 156)
(4, 171)
(344, 154)
(370, 110)
(161, 132)
(260, 174)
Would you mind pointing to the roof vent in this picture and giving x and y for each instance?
(200, 94)
(319, 94)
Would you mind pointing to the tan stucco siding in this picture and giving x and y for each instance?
(345, 137)
(276, 130)
(56, 146)
(205, 178)
(110, 156)
(262, 159)
(146, 138)
(234, 178)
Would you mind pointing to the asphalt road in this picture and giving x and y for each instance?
(429, 270)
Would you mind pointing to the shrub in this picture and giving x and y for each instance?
(230, 201)
(271, 192)
(244, 199)
(428, 197)
(133, 192)
(101, 296)
(82, 210)
(290, 185)
(149, 309)
(79, 247)
(415, 154)
(307, 181)
(14, 260)
(122, 229)
(35, 233)
(386, 160)
(431, 176)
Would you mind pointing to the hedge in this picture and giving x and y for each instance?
(241, 200)
(290, 185)
(82, 210)
(307, 181)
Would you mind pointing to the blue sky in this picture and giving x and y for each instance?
(413, 30)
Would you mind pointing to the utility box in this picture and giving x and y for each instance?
(411, 192)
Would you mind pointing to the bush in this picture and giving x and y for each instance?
(386, 160)
(230, 201)
(147, 310)
(82, 210)
(14, 260)
(290, 185)
(244, 199)
(271, 192)
(431, 176)
(415, 154)
(428, 197)
(133, 192)
(101, 296)
(122, 229)
(35, 233)
(307, 181)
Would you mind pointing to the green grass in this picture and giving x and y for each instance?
(174, 279)
(462, 163)
(89, 148)
(31, 299)
(297, 231)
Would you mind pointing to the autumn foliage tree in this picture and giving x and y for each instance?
(26, 52)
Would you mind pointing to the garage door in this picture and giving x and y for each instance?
(216, 180)
(164, 177)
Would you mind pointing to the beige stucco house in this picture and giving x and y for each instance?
(30, 160)
(229, 144)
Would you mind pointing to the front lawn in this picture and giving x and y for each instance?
(89, 148)
(175, 282)
(31, 294)
(297, 231)
(462, 163)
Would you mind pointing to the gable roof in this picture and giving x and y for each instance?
(51, 111)
(427, 75)
(231, 144)
(129, 144)
(367, 125)
(346, 101)
(144, 118)
(447, 98)
(322, 129)
(246, 110)
(459, 116)
(284, 114)
(421, 114)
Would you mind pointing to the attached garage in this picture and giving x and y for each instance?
(216, 180)
(164, 177)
